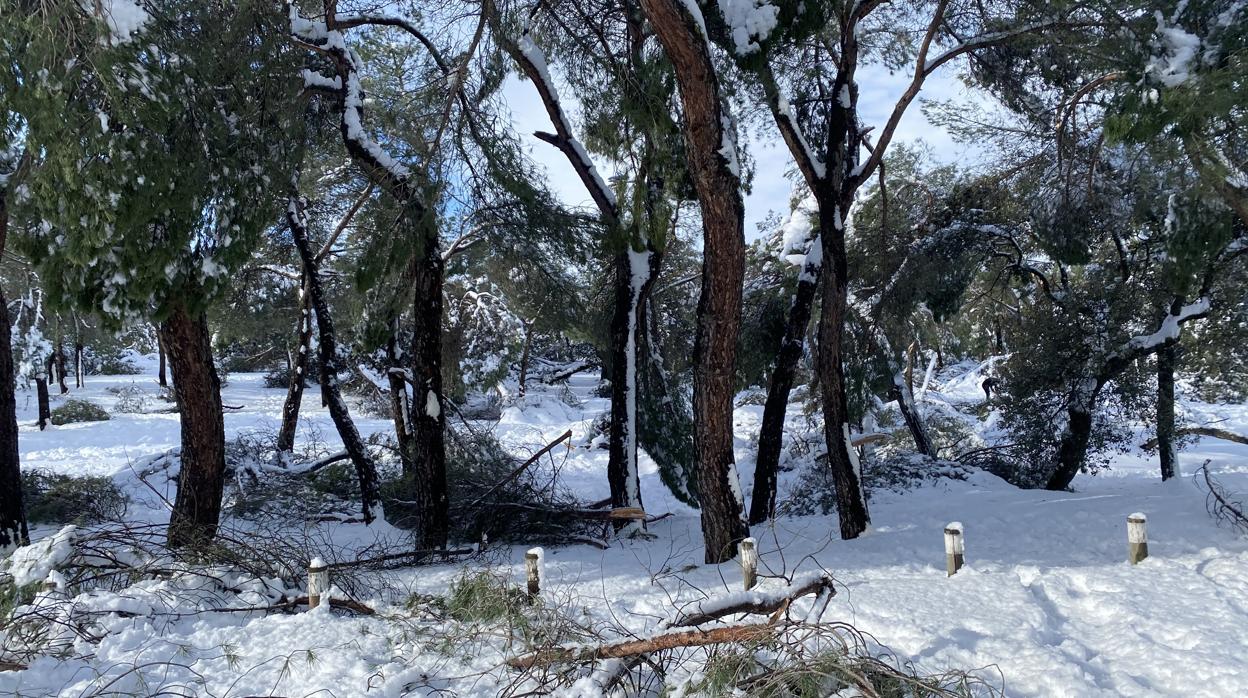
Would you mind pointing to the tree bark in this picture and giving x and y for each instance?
(400, 405)
(59, 356)
(524, 356)
(1073, 447)
(1166, 359)
(298, 375)
(201, 480)
(771, 432)
(712, 165)
(427, 419)
(365, 469)
(904, 396)
(851, 500)
(160, 349)
(45, 411)
(622, 475)
(13, 529)
(79, 377)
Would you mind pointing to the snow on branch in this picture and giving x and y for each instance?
(1169, 330)
(358, 142)
(532, 61)
(756, 602)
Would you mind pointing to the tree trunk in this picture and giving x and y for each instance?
(59, 356)
(851, 501)
(713, 167)
(45, 411)
(201, 480)
(1166, 359)
(298, 376)
(427, 419)
(1073, 447)
(160, 349)
(13, 531)
(622, 473)
(78, 365)
(771, 432)
(524, 356)
(365, 469)
(400, 405)
(904, 396)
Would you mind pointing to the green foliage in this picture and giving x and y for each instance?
(485, 597)
(54, 498)
(74, 411)
(12, 596)
(157, 159)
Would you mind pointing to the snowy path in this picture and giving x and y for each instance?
(1046, 601)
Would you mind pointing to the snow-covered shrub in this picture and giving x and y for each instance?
(57, 498)
(130, 399)
(74, 411)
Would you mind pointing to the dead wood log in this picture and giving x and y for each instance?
(1200, 431)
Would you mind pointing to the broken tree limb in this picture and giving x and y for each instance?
(756, 602)
(1200, 431)
(632, 648)
(562, 374)
(515, 473)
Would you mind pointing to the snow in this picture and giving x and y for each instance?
(1046, 597)
(797, 234)
(34, 562)
(1177, 49)
(432, 407)
(124, 18)
(1170, 327)
(749, 21)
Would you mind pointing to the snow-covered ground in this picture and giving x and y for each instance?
(1046, 606)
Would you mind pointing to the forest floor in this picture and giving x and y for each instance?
(1047, 604)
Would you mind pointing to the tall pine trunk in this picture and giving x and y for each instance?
(771, 431)
(524, 357)
(712, 164)
(427, 419)
(79, 365)
(622, 475)
(299, 361)
(201, 480)
(1166, 358)
(59, 356)
(365, 468)
(13, 531)
(851, 500)
(400, 404)
(45, 411)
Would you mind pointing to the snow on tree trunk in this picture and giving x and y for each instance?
(632, 277)
(910, 413)
(400, 410)
(13, 530)
(365, 469)
(771, 431)
(299, 361)
(851, 500)
(426, 486)
(197, 506)
(714, 169)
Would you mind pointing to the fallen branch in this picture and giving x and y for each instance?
(632, 648)
(617, 514)
(566, 372)
(515, 473)
(1220, 505)
(1200, 431)
(758, 602)
(414, 556)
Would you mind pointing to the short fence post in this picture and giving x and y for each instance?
(953, 547)
(1137, 538)
(749, 563)
(318, 581)
(533, 571)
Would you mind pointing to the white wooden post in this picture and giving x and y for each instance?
(1137, 538)
(533, 570)
(953, 547)
(318, 581)
(749, 563)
